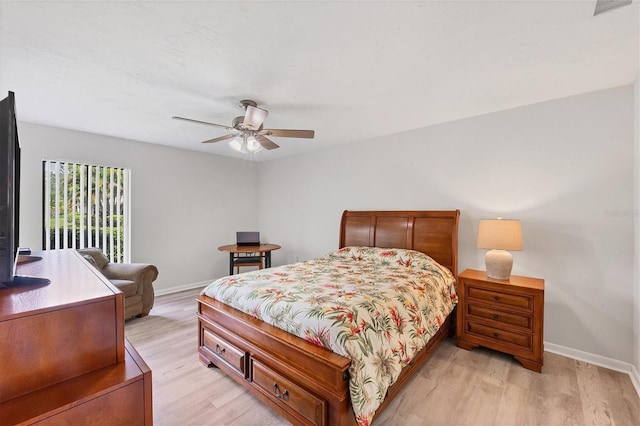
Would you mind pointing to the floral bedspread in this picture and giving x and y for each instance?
(376, 306)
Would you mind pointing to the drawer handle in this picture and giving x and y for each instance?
(496, 335)
(219, 350)
(496, 298)
(496, 316)
(280, 395)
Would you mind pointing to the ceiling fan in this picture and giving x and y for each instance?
(247, 133)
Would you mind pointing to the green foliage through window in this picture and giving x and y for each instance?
(86, 206)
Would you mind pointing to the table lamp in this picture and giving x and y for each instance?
(499, 235)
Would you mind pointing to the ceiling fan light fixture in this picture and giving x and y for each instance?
(252, 144)
(245, 144)
(238, 144)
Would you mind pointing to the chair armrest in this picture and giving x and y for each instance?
(130, 271)
(142, 273)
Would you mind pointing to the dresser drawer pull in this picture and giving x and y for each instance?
(219, 350)
(280, 395)
(496, 316)
(496, 298)
(496, 335)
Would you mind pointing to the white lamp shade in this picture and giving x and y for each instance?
(500, 234)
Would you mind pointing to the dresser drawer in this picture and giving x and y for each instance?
(524, 321)
(225, 352)
(517, 300)
(294, 397)
(525, 341)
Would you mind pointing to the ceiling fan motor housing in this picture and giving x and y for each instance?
(246, 102)
(237, 122)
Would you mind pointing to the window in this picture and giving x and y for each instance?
(86, 206)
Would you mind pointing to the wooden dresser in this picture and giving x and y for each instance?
(505, 315)
(63, 353)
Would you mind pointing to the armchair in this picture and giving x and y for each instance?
(135, 280)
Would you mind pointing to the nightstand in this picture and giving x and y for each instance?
(504, 315)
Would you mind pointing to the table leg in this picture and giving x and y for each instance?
(267, 259)
(231, 256)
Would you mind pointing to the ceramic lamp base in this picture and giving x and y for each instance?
(498, 264)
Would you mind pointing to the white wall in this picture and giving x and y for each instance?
(184, 203)
(565, 168)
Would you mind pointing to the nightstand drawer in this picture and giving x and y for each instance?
(520, 301)
(523, 340)
(523, 321)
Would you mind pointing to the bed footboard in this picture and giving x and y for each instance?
(306, 384)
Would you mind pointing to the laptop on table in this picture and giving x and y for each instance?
(248, 238)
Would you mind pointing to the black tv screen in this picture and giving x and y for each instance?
(10, 201)
(9, 188)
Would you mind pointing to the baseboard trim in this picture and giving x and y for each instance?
(601, 361)
(178, 289)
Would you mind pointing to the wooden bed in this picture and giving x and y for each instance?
(305, 383)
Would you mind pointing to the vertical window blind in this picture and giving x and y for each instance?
(86, 206)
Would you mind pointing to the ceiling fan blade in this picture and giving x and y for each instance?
(221, 138)
(267, 143)
(204, 122)
(286, 133)
(254, 117)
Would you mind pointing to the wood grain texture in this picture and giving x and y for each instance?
(481, 387)
(69, 327)
(64, 359)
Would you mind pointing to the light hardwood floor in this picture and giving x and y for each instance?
(455, 387)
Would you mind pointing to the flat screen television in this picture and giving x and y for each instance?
(10, 199)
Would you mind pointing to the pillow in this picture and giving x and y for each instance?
(396, 257)
(386, 256)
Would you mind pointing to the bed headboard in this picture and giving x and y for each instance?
(434, 233)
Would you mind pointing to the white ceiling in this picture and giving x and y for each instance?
(350, 70)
